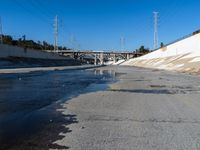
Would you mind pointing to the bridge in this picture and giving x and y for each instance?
(98, 57)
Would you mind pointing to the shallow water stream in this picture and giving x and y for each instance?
(28, 104)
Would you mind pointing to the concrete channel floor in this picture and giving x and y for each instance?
(145, 109)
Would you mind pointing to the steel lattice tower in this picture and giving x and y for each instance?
(155, 29)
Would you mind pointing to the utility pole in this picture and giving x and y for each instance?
(155, 29)
(101, 58)
(56, 33)
(122, 43)
(24, 37)
(1, 32)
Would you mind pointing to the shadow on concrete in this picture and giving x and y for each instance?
(44, 139)
(29, 104)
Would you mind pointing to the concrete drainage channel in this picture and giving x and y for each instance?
(26, 70)
(30, 103)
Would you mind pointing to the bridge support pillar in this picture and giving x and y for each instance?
(95, 59)
(128, 56)
(75, 55)
(115, 60)
(101, 58)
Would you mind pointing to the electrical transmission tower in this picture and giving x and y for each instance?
(122, 43)
(155, 29)
(56, 33)
(1, 32)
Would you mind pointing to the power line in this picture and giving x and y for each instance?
(155, 29)
(1, 32)
(169, 12)
(56, 33)
(73, 42)
(44, 6)
(48, 12)
(37, 6)
(31, 13)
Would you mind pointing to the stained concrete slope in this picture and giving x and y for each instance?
(183, 55)
(115, 63)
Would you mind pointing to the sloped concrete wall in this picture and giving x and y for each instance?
(183, 56)
(7, 51)
(188, 45)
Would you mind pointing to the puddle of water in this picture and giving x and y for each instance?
(184, 89)
(97, 87)
(181, 87)
(28, 104)
(176, 89)
(158, 86)
(144, 91)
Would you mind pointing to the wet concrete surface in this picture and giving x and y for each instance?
(111, 108)
(22, 62)
(29, 104)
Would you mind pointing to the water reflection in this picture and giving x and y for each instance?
(28, 104)
(103, 72)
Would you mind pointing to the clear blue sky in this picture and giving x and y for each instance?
(99, 24)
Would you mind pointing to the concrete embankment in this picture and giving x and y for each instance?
(16, 57)
(26, 70)
(21, 62)
(13, 51)
(183, 56)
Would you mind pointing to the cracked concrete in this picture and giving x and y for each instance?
(118, 120)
